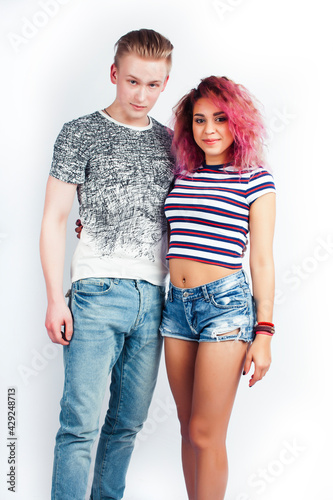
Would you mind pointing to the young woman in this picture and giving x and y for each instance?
(221, 193)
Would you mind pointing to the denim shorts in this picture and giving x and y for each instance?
(210, 313)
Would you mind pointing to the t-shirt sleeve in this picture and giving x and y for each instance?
(261, 182)
(69, 158)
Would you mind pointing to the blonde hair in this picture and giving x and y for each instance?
(144, 43)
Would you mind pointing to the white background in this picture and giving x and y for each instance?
(55, 59)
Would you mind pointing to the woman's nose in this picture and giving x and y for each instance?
(209, 128)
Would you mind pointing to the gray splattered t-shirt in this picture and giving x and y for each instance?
(123, 175)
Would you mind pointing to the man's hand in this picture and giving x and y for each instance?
(79, 228)
(57, 316)
(245, 248)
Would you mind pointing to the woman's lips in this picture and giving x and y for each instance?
(210, 141)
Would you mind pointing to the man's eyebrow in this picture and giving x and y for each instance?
(138, 79)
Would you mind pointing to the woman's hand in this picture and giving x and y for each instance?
(260, 354)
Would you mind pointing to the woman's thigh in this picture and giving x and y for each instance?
(218, 368)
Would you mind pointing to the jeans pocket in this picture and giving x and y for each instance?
(93, 286)
(234, 299)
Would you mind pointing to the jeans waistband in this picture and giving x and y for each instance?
(221, 285)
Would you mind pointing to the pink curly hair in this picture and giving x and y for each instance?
(244, 120)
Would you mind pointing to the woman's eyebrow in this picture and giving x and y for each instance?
(214, 114)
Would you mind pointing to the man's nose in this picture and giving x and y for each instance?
(140, 94)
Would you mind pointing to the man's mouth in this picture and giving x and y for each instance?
(137, 106)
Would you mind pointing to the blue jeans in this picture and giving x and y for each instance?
(116, 326)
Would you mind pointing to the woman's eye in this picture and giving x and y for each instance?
(222, 119)
(199, 120)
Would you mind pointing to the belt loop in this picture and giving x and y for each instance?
(205, 293)
(170, 296)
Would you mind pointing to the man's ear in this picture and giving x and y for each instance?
(114, 73)
(164, 83)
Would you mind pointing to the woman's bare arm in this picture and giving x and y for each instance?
(262, 222)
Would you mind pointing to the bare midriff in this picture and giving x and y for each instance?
(185, 273)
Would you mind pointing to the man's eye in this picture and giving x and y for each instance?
(132, 82)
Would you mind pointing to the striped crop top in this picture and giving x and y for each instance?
(208, 213)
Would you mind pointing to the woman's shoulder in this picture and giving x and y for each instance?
(256, 171)
(257, 175)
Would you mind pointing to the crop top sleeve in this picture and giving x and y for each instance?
(260, 182)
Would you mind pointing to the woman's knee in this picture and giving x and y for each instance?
(203, 435)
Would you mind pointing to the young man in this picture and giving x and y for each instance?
(119, 162)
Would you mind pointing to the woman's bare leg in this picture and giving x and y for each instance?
(218, 367)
